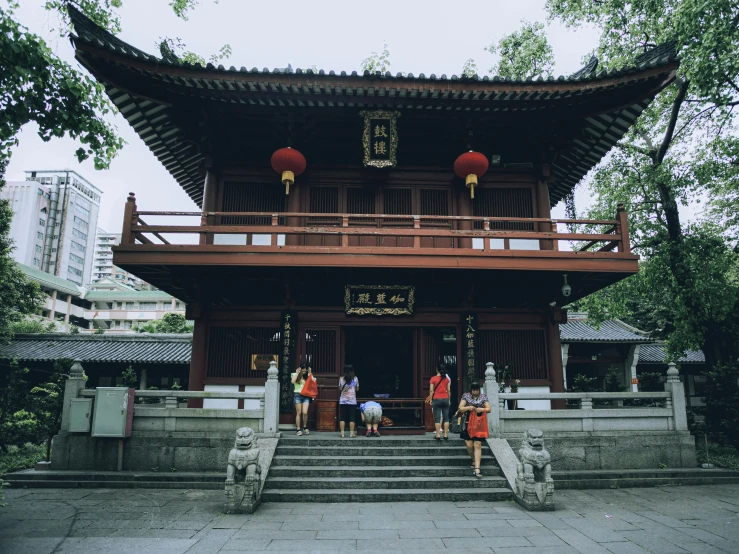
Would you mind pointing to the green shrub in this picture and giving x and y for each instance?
(129, 378)
(21, 457)
(27, 326)
(722, 403)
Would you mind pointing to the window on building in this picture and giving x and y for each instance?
(38, 249)
(75, 271)
(81, 210)
(79, 234)
(40, 235)
(77, 259)
(53, 249)
(37, 262)
(81, 222)
(126, 324)
(147, 305)
(42, 222)
(167, 306)
(78, 246)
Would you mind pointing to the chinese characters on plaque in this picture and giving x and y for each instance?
(288, 328)
(379, 300)
(469, 343)
(380, 138)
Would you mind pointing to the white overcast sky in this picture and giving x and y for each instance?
(425, 36)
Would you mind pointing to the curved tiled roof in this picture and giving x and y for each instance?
(50, 281)
(656, 354)
(139, 348)
(609, 331)
(282, 88)
(142, 295)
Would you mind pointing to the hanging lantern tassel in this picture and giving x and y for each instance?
(470, 166)
(289, 163)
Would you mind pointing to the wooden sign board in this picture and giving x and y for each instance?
(379, 299)
(380, 138)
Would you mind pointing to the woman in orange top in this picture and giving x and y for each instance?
(440, 390)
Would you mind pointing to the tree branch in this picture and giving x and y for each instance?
(648, 140)
(677, 104)
(635, 148)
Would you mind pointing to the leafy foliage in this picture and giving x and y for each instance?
(169, 49)
(613, 380)
(722, 402)
(47, 402)
(524, 53)
(469, 69)
(129, 379)
(170, 323)
(377, 62)
(18, 424)
(99, 331)
(18, 458)
(32, 326)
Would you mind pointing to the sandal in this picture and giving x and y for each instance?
(477, 473)
(306, 432)
(446, 437)
(437, 437)
(299, 433)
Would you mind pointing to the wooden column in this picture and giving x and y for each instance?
(127, 236)
(554, 359)
(197, 361)
(464, 208)
(210, 201)
(622, 229)
(543, 210)
(293, 205)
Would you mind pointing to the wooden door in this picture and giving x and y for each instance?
(321, 350)
(430, 353)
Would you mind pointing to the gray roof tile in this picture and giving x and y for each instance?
(577, 330)
(134, 348)
(655, 354)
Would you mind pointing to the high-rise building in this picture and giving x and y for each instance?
(54, 222)
(103, 267)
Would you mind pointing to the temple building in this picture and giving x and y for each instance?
(394, 223)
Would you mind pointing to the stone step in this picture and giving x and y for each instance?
(124, 476)
(385, 495)
(368, 450)
(364, 482)
(87, 484)
(384, 441)
(382, 472)
(374, 461)
(614, 479)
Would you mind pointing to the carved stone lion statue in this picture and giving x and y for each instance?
(243, 474)
(534, 483)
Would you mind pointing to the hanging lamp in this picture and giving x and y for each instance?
(470, 166)
(289, 163)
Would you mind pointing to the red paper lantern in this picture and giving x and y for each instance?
(290, 163)
(469, 166)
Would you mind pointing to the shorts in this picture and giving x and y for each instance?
(372, 414)
(300, 399)
(440, 406)
(464, 436)
(347, 412)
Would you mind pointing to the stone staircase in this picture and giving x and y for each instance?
(326, 468)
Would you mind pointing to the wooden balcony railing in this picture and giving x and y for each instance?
(292, 231)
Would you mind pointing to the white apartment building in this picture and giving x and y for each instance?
(54, 222)
(103, 267)
(108, 305)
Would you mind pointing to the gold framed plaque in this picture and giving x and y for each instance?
(380, 138)
(379, 299)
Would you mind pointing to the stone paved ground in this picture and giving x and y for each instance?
(702, 520)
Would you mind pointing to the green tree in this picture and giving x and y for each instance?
(129, 379)
(684, 147)
(722, 403)
(524, 53)
(18, 424)
(47, 402)
(469, 69)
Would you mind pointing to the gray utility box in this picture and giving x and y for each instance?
(79, 415)
(113, 414)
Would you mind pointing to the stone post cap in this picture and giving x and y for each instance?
(76, 371)
(490, 371)
(272, 371)
(673, 375)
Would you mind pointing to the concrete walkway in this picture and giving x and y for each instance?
(702, 519)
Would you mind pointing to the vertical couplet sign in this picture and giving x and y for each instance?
(469, 349)
(380, 138)
(288, 334)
